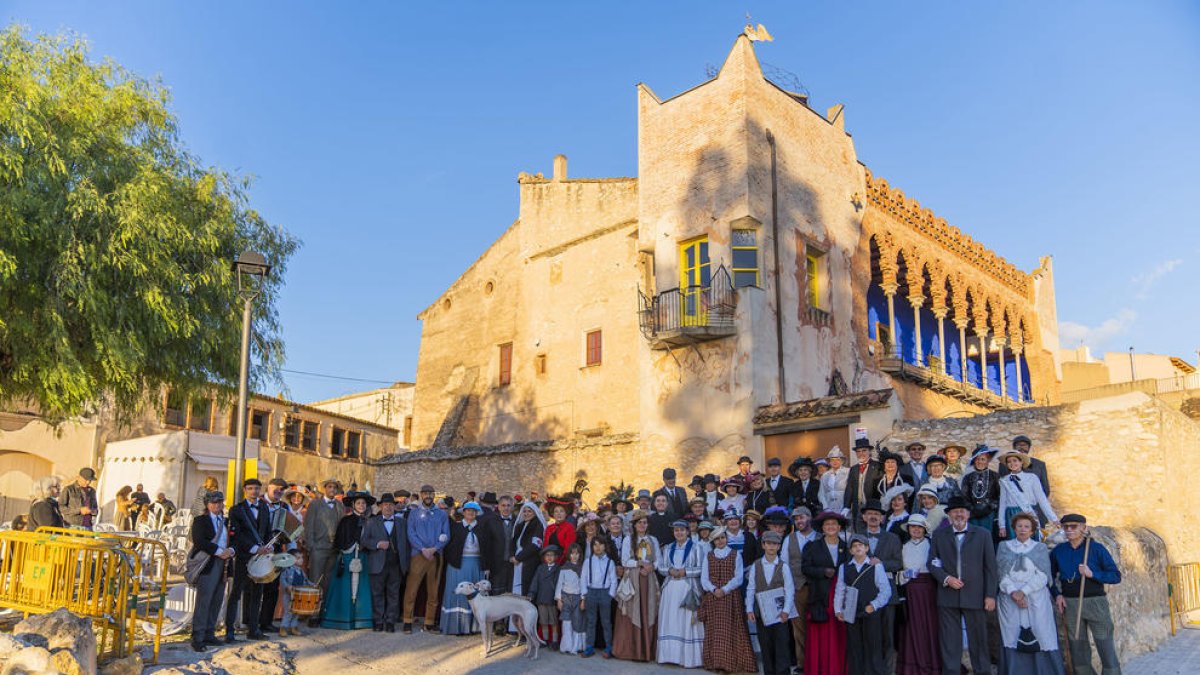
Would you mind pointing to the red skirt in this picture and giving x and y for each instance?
(825, 653)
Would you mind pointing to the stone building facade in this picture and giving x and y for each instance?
(755, 290)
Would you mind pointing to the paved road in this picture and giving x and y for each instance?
(1179, 655)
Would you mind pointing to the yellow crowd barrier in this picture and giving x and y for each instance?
(1183, 591)
(147, 586)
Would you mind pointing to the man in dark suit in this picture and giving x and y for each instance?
(886, 549)
(913, 471)
(963, 561)
(677, 497)
(210, 534)
(779, 486)
(495, 545)
(250, 524)
(1036, 466)
(385, 540)
(805, 488)
(276, 512)
(862, 483)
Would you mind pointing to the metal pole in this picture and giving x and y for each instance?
(1132, 372)
(239, 464)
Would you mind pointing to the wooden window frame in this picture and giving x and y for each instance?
(757, 269)
(288, 421)
(505, 370)
(593, 353)
(316, 441)
(212, 409)
(337, 449)
(356, 447)
(184, 411)
(266, 425)
(408, 427)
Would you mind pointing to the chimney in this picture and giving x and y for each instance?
(560, 168)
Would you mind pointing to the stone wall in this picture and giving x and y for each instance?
(1092, 449)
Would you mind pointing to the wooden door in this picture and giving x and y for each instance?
(815, 443)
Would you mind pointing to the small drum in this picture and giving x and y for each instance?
(283, 560)
(306, 600)
(262, 569)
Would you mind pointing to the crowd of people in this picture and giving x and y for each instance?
(898, 563)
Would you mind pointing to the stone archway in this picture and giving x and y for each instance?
(18, 471)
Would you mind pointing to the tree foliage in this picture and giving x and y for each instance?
(115, 242)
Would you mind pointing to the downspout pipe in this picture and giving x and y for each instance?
(780, 379)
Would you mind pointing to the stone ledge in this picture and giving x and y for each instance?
(452, 453)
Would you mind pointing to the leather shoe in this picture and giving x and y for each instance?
(433, 628)
(229, 639)
(213, 642)
(269, 628)
(200, 647)
(407, 628)
(314, 623)
(390, 627)
(256, 636)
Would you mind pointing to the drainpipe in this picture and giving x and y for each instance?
(782, 386)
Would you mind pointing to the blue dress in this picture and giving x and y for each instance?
(457, 616)
(344, 608)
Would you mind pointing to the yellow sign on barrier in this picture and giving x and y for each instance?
(36, 575)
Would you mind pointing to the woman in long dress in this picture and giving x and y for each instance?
(1021, 492)
(726, 639)
(981, 489)
(348, 604)
(919, 648)
(825, 652)
(526, 545)
(1024, 601)
(680, 635)
(634, 634)
(462, 564)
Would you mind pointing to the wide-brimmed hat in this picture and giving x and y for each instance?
(336, 483)
(820, 518)
(294, 490)
(751, 513)
(1025, 459)
(960, 449)
(697, 500)
(718, 532)
(87, 473)
(352, 497)
(914, 444)
(733, 481)
(982, 449)
(888, 454)
(928, 491)
(776, 515)
(917, 519)
(638, 514)
(489, 498)
(697, 479)
(794, 467)
(754, 476)
(897, 491)
(711, 478)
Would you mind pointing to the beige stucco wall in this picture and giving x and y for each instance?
(31, 449)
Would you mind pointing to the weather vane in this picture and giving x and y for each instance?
(756, 33)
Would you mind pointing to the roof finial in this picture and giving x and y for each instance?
(756, 34)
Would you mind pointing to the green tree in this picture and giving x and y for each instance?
(116, 244)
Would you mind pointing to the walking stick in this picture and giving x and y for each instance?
(1087, 545)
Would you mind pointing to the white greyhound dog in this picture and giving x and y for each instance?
(491, 608)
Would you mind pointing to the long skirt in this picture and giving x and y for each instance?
(680, 634)
(985, 522)
(1013, 662)
(636, 643)
(457, 617)
(574, 626)
(726, 640)
(825, 653)
(346, 609)
(919, 652)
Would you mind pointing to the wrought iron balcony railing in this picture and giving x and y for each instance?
(691, 314)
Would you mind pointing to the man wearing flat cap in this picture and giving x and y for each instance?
(320, 525)
(78, 501)
(428, 534)
(778, 485)
(210, 535)
(677, 497)
(1082, 567)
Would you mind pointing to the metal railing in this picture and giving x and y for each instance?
(1183, 591)
(690, 309)
(1152, 387)
(892, 361)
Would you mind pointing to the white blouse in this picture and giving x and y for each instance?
(738, 571)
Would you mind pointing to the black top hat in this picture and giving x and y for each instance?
(489, 498)
(860, 443)
(872, 505)
(957, 502)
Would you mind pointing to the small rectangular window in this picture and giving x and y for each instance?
(353, 444)
(745, 258)
(594, 342)
(175, 414)
(200, 411)
(308, 435)
(260, 425)
(408, 431)
(505, 364)
(815, 277)
(291, 433)
(337, 442)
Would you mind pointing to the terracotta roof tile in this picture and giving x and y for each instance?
(824, 406)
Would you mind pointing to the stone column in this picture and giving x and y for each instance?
(962, 347)
(940, 315)
(983, 360)
(1018, 347)
(916, 301)
(999, 340)
(889, 290)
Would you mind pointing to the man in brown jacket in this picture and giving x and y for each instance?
(320, 524)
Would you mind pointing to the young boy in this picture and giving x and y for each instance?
(288, 579)
(768, 573)
(599, 583)
(864, 637)
(541, 593)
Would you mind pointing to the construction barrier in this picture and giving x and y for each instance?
(1183, 591)
(147, 584)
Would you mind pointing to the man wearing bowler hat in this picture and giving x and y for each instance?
(385, 541)
(677, 497)
(963, 562)
(320, 525)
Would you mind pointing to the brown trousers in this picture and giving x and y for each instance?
(429, 571)
(800, 623)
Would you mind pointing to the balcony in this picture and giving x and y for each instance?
(932, 378)
(690, 315)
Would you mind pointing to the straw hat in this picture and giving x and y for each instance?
(1025, 459)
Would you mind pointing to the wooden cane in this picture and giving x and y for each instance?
(1087, 544)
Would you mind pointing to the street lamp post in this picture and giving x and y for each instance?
(252, 270)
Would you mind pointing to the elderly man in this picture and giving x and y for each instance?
(385, 540)
(1081, 570)
(78, 502)
(44, 511)
(428, 534)
(963, 561)
(320, 525)
(862, 483)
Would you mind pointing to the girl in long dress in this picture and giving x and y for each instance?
(1021, 492)
(634, 634)
(348, 604)
(919, 652)
(726, 639)
(825, 652)
(1024, 600)
(462, 564)
(680, 635)
(567, 595)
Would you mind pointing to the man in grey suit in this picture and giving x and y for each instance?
(320, 524)
(887, 551)
(962, 560)
(385, 540)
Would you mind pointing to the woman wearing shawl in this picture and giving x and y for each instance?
(1024, 602)
(825, 653)
(348, 605)
(526, 545)
(634, 634)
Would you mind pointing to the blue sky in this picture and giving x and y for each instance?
(388, 136)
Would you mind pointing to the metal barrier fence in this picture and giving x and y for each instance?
(148, 582)
(1183, 590)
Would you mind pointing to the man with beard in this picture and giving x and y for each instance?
(495, 544)
(428, 534)
(320, 525)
